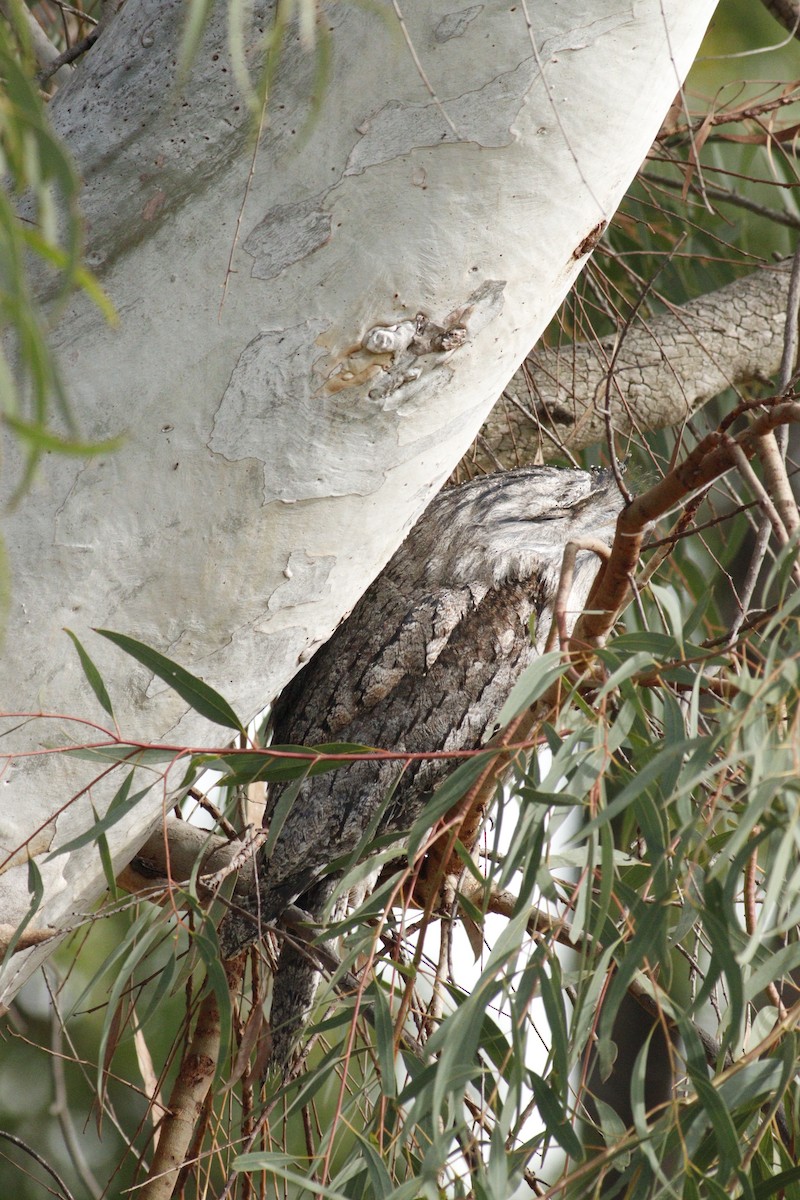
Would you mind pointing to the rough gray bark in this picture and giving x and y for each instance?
(424, 663)
(667, 367)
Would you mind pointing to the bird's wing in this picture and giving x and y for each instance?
(391, 637)
(399, 703)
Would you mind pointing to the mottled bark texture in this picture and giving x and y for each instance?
(423, 663)
(666, 367)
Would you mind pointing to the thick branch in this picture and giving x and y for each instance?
(169, 860)
(667, 367)
(787, 12)
(189, 1093)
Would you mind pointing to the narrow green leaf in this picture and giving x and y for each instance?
(280, 814)
(120, 806)
(92, 674)
(206, 943)
(106, 861)
(384, 1039)
(532, 683)
(43, 440)
(445, 796)
(145, 927)
(123, 752)
(554, 1117)
(723, 933)
(273, 764)
(379, 1177)
(551, 989)
(136, 952)
(638, 1110)
(197, 14)
(776, 1184)
(278, 1166)
(36, 890)
(202, 698)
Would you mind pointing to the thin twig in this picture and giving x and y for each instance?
(763, 499)
(772, 453)
(714, 456)
(69, 55)
(240, 215)
(751, 921)
(775, 215)
(85, 17)
(421, 72)
(790, 332)
(558, 627)
(189, 1093)
(66, 1194)
(61, 1099)
(786, 12)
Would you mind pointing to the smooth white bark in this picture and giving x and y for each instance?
(272, 464)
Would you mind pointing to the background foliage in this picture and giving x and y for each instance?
(647, 856)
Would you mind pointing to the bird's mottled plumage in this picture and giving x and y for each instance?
(424, 662)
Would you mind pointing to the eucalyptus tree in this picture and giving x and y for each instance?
(329, 237)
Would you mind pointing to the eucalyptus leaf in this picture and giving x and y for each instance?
(198, 695)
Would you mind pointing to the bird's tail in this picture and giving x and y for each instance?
(294, 989)
(297, 978)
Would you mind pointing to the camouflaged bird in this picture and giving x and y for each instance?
(423, 663)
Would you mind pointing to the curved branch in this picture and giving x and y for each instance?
(718, 453)
(666, 368)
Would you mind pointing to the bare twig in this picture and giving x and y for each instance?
(28, 938)
(762, 496)
(44, 51)
(777, 216)
(667, 367)
(751, 922)
(171, 854)
(61, 1100)
(559, 626)
(772, 452)
(65, 1193)
(420, 70)
(790, 335)
(750, 580)
(68, 56)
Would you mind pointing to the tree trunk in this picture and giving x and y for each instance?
(276, 454)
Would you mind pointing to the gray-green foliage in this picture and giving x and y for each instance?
(653, 851)
(654, 854)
